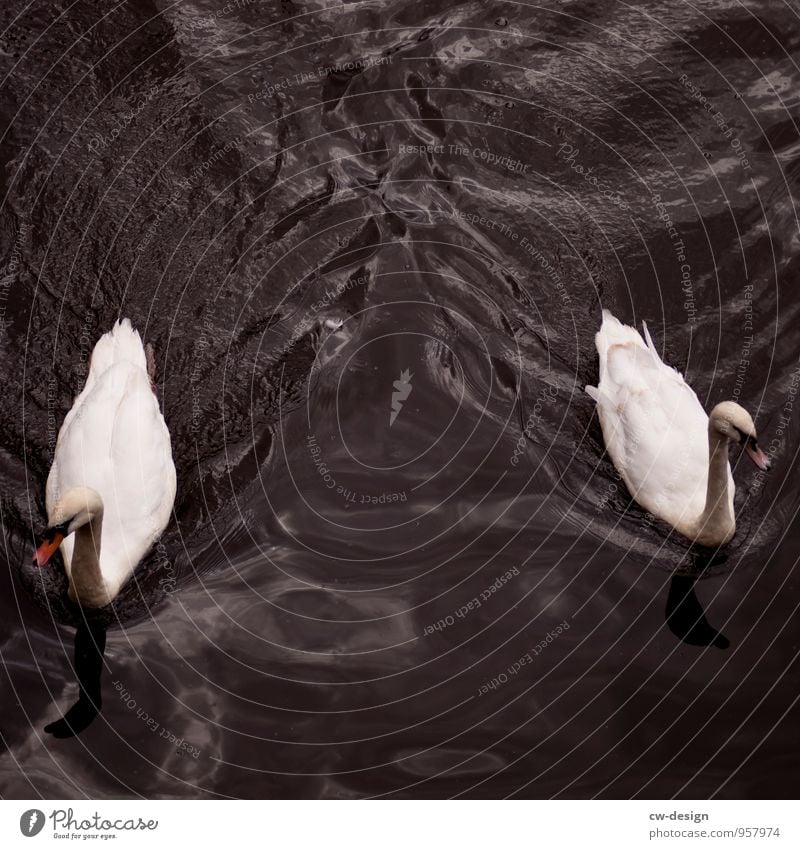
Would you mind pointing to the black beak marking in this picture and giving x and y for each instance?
(746, 438)
(49, 533)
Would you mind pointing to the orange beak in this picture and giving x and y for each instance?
(758, 457)
(47, 549)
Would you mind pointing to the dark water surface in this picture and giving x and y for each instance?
(310, 207)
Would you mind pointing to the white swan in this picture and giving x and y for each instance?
(671, 455)
(112, 483)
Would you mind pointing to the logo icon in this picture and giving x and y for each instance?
(402, 389)
(31, 822)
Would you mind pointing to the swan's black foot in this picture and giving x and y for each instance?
(685, 616)
(77, 719)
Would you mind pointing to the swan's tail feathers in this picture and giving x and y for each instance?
(613, 332)
(649, 339)
(609, 317)
(121, 344)
(593, 392)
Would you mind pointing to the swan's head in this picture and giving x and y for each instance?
(77, 507)
(733, 422)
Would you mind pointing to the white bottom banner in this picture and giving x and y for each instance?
(403, 824)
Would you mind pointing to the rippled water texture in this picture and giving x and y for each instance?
(370, 243)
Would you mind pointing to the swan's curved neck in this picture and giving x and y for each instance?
(86, 580)
(716, 524)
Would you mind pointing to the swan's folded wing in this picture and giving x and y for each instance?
(141, 455)
(122, 344)
(631, 368)
(83, 451)
(655, 430)
(118, 444)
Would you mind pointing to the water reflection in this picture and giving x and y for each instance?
(90, 646)
(684, 613)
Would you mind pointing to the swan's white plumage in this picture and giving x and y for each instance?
(115, 441)
(654, 427)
